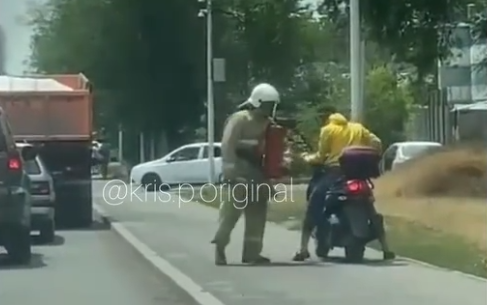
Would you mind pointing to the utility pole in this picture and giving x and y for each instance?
(210, 95)
(120, 143)
(357, 107)
(2, 51)
(142, 147)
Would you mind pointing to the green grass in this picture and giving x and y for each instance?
(408, 239)
(425, 244)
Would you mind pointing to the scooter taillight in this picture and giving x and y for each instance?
(356, 187)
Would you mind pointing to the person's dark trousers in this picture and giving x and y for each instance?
(316, 175)
(316, 205)
(104, 170)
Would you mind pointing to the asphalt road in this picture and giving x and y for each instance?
(87, 267)
(179, 234)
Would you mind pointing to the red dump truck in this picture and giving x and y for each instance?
(54, 112)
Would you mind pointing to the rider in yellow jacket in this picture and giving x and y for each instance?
(338, 134)
(335, 136)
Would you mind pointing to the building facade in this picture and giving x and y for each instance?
(461, 74)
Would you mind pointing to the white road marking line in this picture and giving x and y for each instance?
(182, 280)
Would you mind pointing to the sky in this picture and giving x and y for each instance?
(17, 34)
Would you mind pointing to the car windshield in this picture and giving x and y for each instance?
(32, 167)
(410, 151)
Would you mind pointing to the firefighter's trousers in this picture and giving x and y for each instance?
(251, 200)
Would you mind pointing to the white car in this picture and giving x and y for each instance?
(186, 164)
(398, 153)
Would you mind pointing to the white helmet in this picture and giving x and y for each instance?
(262, 93)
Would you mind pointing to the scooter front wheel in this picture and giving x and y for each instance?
(322, 251)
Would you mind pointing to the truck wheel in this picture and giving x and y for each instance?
(48, 232)
(19, 245)
(151, 182)
(354, 253)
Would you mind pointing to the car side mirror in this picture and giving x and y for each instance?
(29, 153)
(170, 159)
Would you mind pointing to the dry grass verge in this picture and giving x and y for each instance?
(445, 191)
(459, 172)
(435, 208)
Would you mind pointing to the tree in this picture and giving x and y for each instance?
(143, 56)
(271, 31)
(262, 41)
(387, 99)
(319, 85)
(416, 32)
(388, 102)
(480, 32)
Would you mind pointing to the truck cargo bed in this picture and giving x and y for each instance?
(37, 114)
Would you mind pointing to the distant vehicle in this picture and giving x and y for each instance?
(15, 200)
(96, 157)
(42, 196)
(95, 144)
(186, 164)
(54, 113)
(401, 152)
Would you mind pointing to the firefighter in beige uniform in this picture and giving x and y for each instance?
(247, 189)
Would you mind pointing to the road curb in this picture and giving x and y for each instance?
(194, 290)
(428, 265)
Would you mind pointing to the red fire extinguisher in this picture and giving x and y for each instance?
(275, 146)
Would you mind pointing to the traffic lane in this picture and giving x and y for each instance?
(181, 235)
(87, 267)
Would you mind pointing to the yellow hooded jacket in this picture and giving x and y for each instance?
(338, 134)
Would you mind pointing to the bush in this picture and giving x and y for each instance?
(387, 105)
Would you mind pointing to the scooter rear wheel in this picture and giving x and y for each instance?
(322, 252)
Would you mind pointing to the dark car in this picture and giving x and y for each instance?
(15, 199)
(42, 195)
